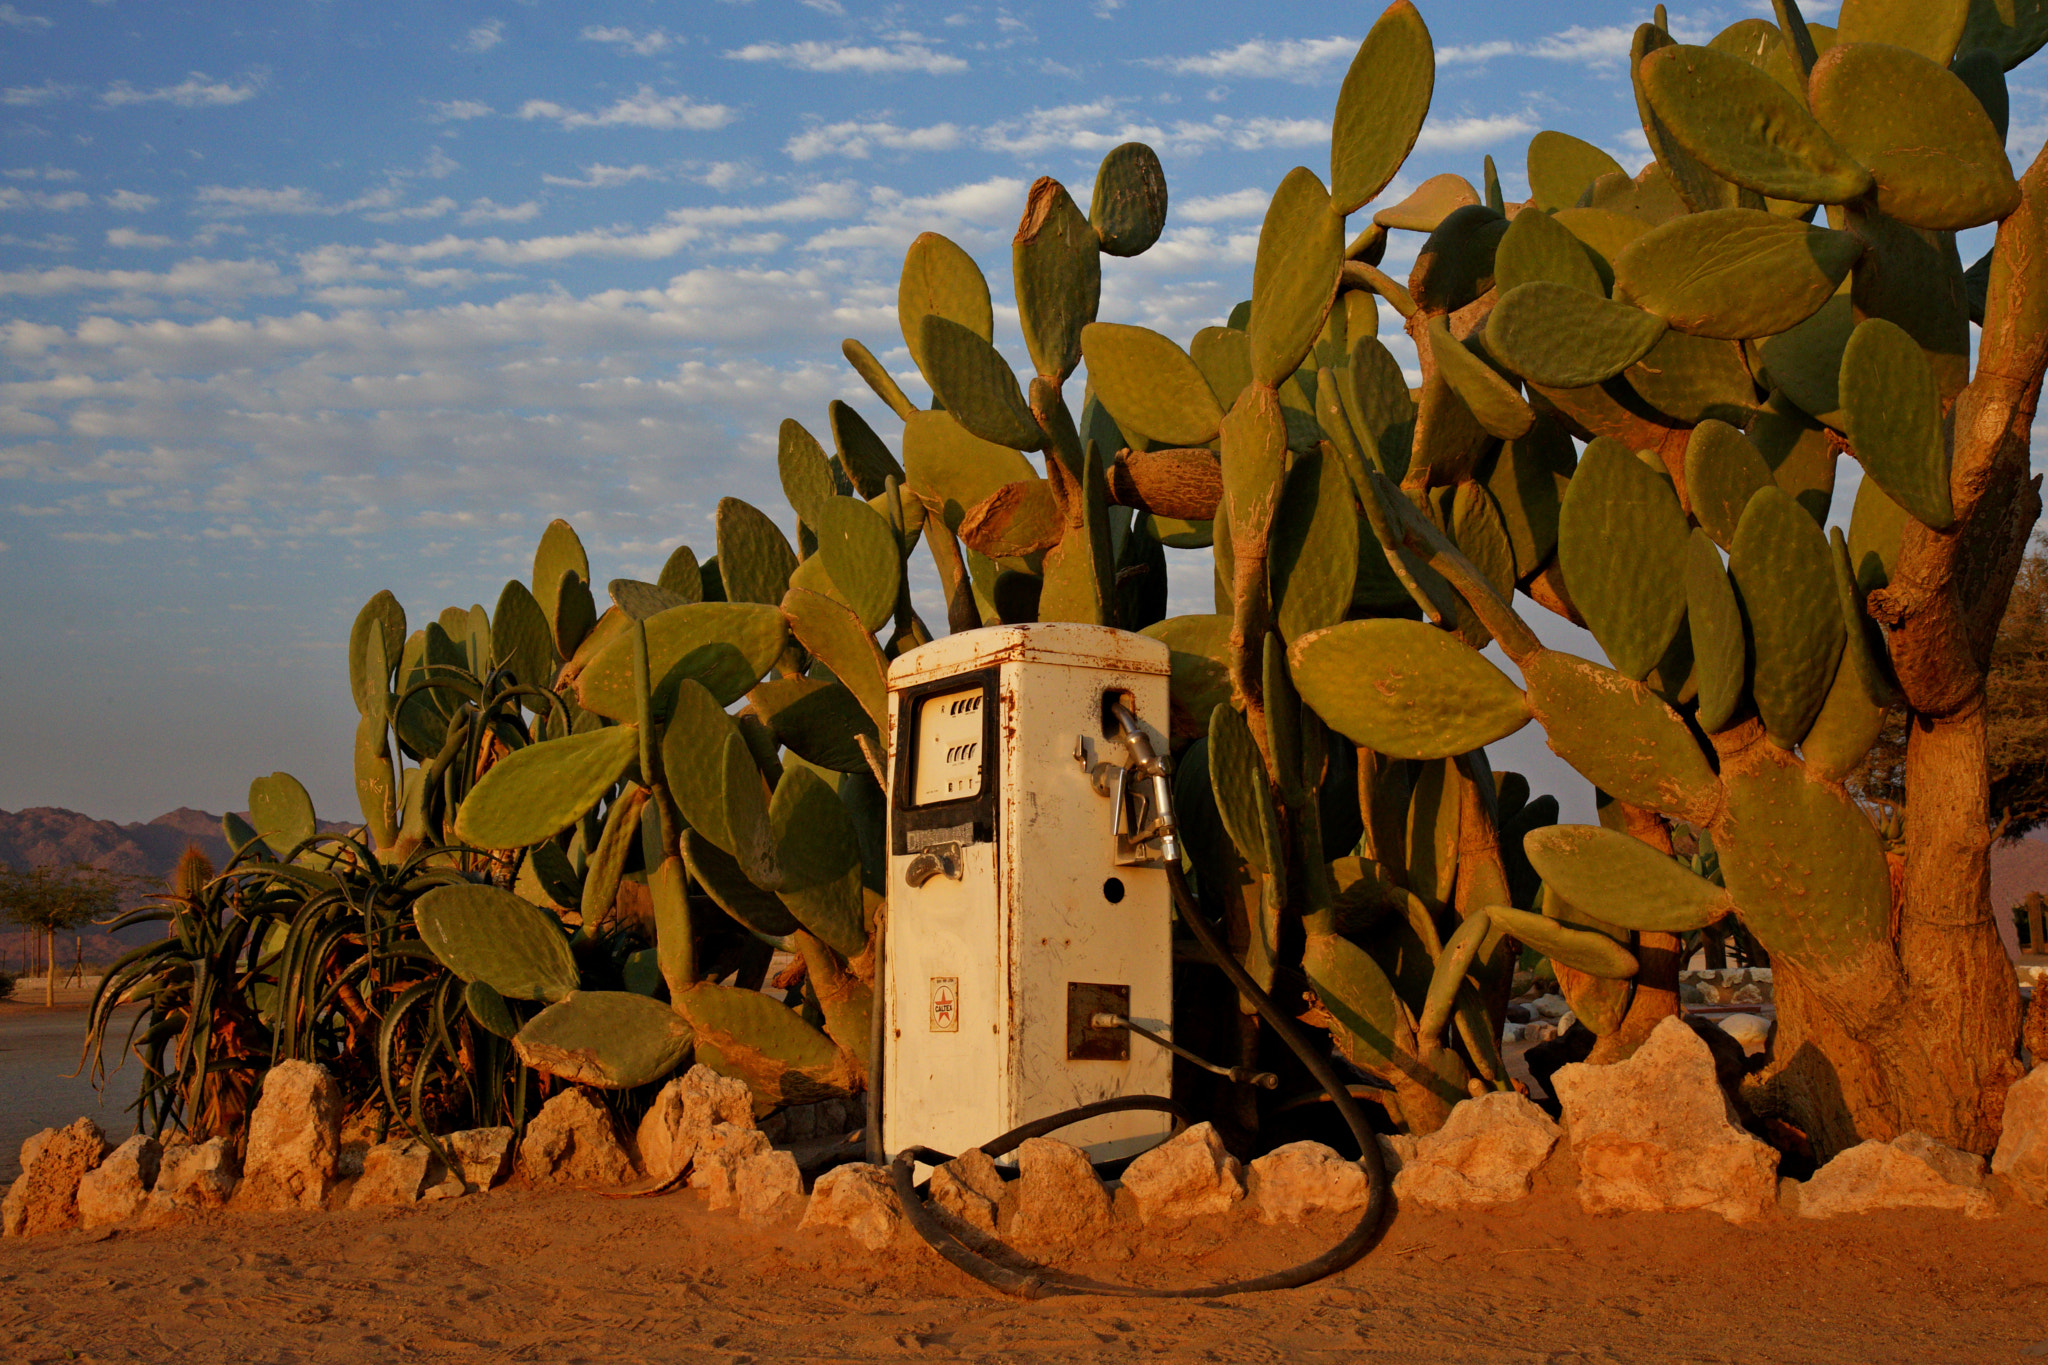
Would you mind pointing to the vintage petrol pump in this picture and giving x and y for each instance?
(1029, 912)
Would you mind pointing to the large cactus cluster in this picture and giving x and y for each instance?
(603, 834)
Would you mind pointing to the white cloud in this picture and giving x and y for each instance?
(129, 201)
(1217, 208)
(871, 61)
(43, 173)
(238, 199)
(12, 198)
(491, 211)
(601, 176)
(642, 109)
(1606, 45)
(210, 279)
(645, 44)
(14, 18)
(455, 111)
(483, 37)
(1289, 59)
(1462, 134)
(857, 139)
(196, 91)
(130, 237)
(21, 96)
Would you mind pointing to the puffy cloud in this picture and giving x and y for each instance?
(203, 278)
(856, 139)
(129, 201)
(129, 237)
(456, 111)
(12, 198)
(11, 17)
(21, 96)
(600, 176)
(1290, 59)
(642, 109)
(483, 37)
(196, 91)
(645, 44)
(1218, 208)
(870, 61)
(1459, 134)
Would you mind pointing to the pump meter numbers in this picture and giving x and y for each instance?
(949, 748)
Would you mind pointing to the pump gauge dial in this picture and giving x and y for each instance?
(949, 748)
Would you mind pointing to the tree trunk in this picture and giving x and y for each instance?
(50, 968)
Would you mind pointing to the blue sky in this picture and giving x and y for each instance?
(303, 300)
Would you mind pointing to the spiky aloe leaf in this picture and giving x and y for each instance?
(1937, 159)
(1620, 735)
(1128, 207)
(483, 934)
(1405, 688)
(1893, 407)
(1562, 168)
(1781, 569)
(1621, 542)
(281, 811)
(1294, 275)
(1623, 880)
(1380, 107)
(1151, 386)
(536, 792)
(725, 646)
(783, 1060)
(1747, 128)
(381, 620)
(614, 1040)
(1565, 337)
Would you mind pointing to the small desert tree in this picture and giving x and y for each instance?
(55, 897)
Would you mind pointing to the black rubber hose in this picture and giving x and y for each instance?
(1044, 1282)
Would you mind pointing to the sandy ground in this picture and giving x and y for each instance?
(573, 1276)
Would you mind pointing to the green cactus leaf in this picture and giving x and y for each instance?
(1931, 28)
(1876, 524)
(939, 279)
(817, 859)
(1566, 338)
(2012, 30)
(1800, 452)
(978, 386)
(1448, 438)
(1359, 996)
(716, 783)
(1223, 355)
(1434, 200)
(1621, 543)
(1852, 718)
(483, 934)
(1562, 168)
(614, 1040)
(725, 646)
(1379, 407)
(1476, 528)
(1448, 977)
(1152, 388)
(1254, 450)
(1405, 688)
(754, 558)
(806, 474)
(1720, 652)
(729, 886)
(1891, 282)
(1380, 107)
(1584, 950)
(1893, 407)
(381, 620)
(607, 865)
(555, 875)
(559, 552)
(1623, 881)
(1294, 275)
(1679, 176)
(1605, 235)
(681, 576)
(1017, 520)
(1128, 207)
(1056, 267)
(641, 600)
(755, 1039)
(1938, 160)
(1762, 44)
(1527, 479)
(818, 719)
(1806, 361)
(862, 554)
(1747, 128)
(1620, 735)
(1688, 379)
(834, 635)
(862, 454)
(952, 469)
(1314, 553)
(1722, 471)
(1079, 581)
(533, 793)
(575, 613)
(489, 1010)
(878, 378)
(1538, 247)
(281, 811)
(1735, 274)
(1780, 564)
(1456, 264)
(1243, 797)
(1805, 865)
(1494, 403)
(520, 639)
(376, 794)
(1200, 679)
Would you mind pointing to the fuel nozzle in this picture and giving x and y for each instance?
(1149, 766)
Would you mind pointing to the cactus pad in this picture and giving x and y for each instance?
(1722, 472)
(1380, 107)
(1624, 881)
(1562, 168)
(1780, 564)
(535, 792)
(1735, 274)
(1621, 736)
(1621, 538)
(1565, 337)
(1747, 128)
(1151, 387)
(726, 646)
(613, 1040)
(1294, 275)
(1584, 950)
(1405, 688)
(1720, 652)
(483, 934)
(1893, 407)
(1128, 206)
(752, 1037)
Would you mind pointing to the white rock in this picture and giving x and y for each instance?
(191, 1177)
(1565, 1022)
(393, 1173)
(716, 1166)
(1550, 1006)
(1655, 1133)
(858, 1200)
(1511, 1033)
(113, 1191)
(1291, 1182)
(482, 1156)
(1186, 1177)
(969, 1187)
(2022, 1154)
(687, 1109)
(769, 1187)
(44, 1198)
(1061, 1202)
(294, 1149)
(1485, 1153)
(1912, 1171)
(573, 1141)
(1753, 1031)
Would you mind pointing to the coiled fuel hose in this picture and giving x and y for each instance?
(1043, 1282)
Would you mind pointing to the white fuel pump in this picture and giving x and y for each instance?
(1028, 902)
